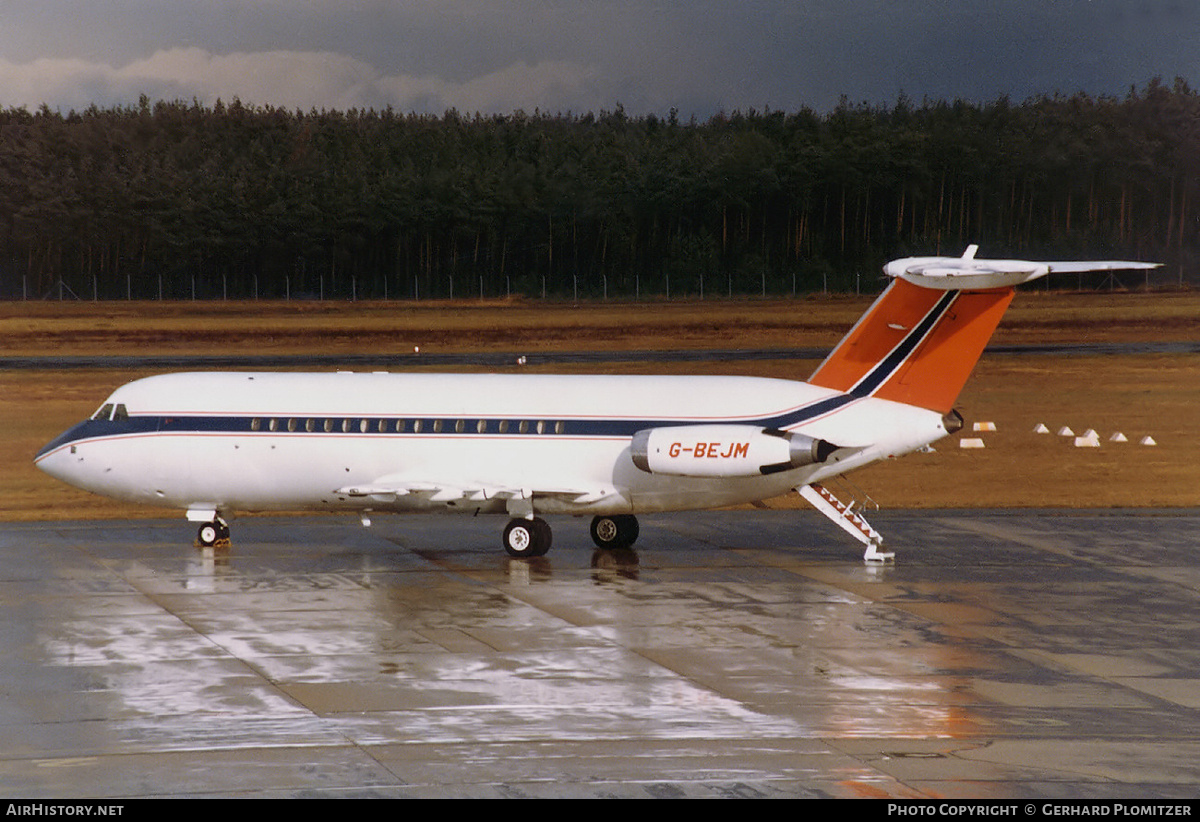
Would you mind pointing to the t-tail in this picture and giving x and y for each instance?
(918, 343)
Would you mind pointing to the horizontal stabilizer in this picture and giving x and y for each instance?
(1099, 265)
(968, 272)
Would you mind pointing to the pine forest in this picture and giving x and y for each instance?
(178, 200)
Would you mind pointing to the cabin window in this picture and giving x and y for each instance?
(560, 427)
(309, 425)
(328, 426)
(437, 426)
(481, 427)
(523, 427)
(104, 413)
(460, 426)
(382, 426)
(541, 427)
(364, 426)
(291, 424)
(416, 426)
(503, 426)
(256, 424)
(273, 425)
(399, 426)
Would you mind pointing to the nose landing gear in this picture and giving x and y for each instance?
(213, 534)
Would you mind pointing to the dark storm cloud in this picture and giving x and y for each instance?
(648, 55)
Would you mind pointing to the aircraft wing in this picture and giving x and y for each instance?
(391, 487)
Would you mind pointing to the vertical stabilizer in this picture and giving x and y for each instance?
(915, 345)
(918, 343)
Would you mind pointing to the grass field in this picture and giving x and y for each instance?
(1137, 395)
(65, 328)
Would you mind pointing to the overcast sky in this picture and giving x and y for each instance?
(494, 56)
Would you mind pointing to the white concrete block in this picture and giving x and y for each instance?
(970, 442)
(1065, 432)
(1147, 440)
(1087, 442)
(985, 426)
(1041, 429)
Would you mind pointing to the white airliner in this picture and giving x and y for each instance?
(531, 445)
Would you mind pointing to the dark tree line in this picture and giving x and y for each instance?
(180, 199)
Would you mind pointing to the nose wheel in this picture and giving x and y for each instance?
(212, 533)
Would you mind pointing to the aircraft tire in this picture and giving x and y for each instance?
(616, 531)
(211, 533)
(527, 538)
(208, 534)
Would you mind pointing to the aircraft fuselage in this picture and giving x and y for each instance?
(283, 441)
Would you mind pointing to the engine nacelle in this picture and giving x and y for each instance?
(724, 450)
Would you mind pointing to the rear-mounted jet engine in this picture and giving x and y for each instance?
(724, 450)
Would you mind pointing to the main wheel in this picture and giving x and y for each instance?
(616, 531)
(527, 538)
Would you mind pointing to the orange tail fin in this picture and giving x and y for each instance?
(918, 342)
(915, 345)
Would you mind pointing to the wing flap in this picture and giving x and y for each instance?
(387, 487)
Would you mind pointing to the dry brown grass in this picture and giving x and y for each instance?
(49, 328)
(1135, 394)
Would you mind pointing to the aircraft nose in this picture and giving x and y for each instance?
(50, 462)
(55, 457)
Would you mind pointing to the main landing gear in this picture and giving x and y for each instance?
(616, 531)
(531, 537)
(527, 537)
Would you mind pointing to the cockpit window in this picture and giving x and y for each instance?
(119, 413)
(104, 413)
